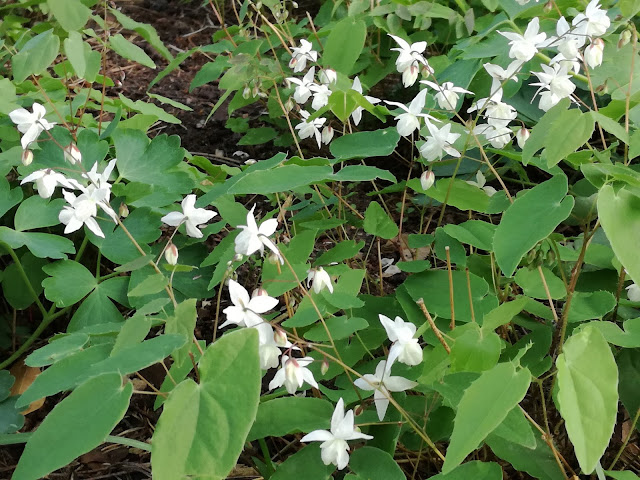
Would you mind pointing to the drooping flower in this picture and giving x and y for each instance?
(405, 348)
(47, 180)
(327, 134)
(171, 254)
(253, 239)
(439, 143)
(72, 154)
(383, 383)
(81, 211)
(30, 124)
(321, 94)
(292, 374)
(246, 311)
(334, 447)
(327, 76)
(303, 90)
(318, 278)
(427, 179)
(301, 54)
(410, 58)
(410, 120)
(594, 22)
(307, 129)
(268, 349)
(633, 292)
(522, 135)
(190, 216)
(556, 84)
(356, 115)
(524, 47)
(481, 182)
(447, 96)
(498, 137)
(593, 53)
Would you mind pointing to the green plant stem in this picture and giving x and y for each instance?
(14, 438)
(626, 440)
(25, 278)
(267, 456)
(83, 245)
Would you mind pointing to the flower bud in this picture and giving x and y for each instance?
(123, 210)
(246, 93)
(27, 157)
(255, 90)
(294, 4)
(324, 367)
(289, 105)
(547, 7)
(593, 53)
(522, 136)
(293, 62)
(327, 76)
(280, 337)
(238, 257)
(625, 37)
(327, 134)
(427, 180)
(292, 375)
(259, 292)
(426, 70)
(409, 76)
(171, 254)
(72, 154)
(273, 259)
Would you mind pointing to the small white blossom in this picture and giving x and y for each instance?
(301, 54)
(47, 180)
(427, 179)
(409, 121)
(498, 137)
(327, 76)
(190, 216)
(356, 115)
(303, 90)
(334, 448)
(405, 348)
(30, 124)
(480, 182)
(594, 22)
(633, 292)
(383, 383)
(81, 210)
(522, 135)
(593, 53)
(439, 143)
(410, 56)
(327, 134)
(307, 129)
(321, 94)
(447, 96)
(253, 239)
(246, 310)
(318, 278)
(292, 374)
(72, 154)
(171, 254)
(524, 47)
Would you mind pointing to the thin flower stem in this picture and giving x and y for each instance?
(548, 293)
(15, 438)
(451, 302)
(473, 314)
(433, 325)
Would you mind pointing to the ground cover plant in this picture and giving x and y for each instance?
(433, 272)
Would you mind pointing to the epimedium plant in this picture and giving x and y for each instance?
(507, 344)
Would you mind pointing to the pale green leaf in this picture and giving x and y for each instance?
(35, 56)
(71, 14)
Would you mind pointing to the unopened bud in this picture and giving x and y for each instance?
(327, 134)
(171, 254)
(427, 180)
(246, 93)
(255, 90)
(547, 7)
(327, 76)
(625, 37)
(293, 62)
(324, 367)
(259, 292)
(273, 259)
(522, 136)
(409, 76)
(27, 157)
(593, 53)
(123, 210)
(280, 337)
(294, 4)
(425, 71)
(289, 105)
(238, 257)
(72, 154)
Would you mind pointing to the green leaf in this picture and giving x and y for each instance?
(473, 232)
(152, 284)
(484, 405)
(375, 464)
(570, 129)
(71, 14)
(457, 193)
(339, 327)
(11, 420)
(342, 104)
(475, 470)
(8, 198)
(35, 56)
(503, 314)
(14, 287)
(128, 50)
(203, 427)
(57, 350)
(475, 350)
(342, 251)
(306, 460)
(183, 323)
(532, 217)
(531, 283)
(622, 475)
(378, 223)
(69, 283)
(145, 31)
(378, 143)
(258, 136)
(42, 245)
(282, 416)
(588, 394)
(76, 51)
(344, 45)
(37, 212)
(134, 330)
(589, 306)
(629, 387)
(97, 308)
(6, 382)
(76, 425)
(620, 218)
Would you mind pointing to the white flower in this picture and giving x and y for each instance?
(47, 180)
(190, 216)
(427, 179)
(293, 374)
(383, 383)
(633, 292)
(26, 157)
(356, 115)
(327, 76)
(80, 211)
(498, 137)
(307, 129)
(321, 94)
(593, 22)
(301, 54)
(388, 267)
(405, 348)
(410, 55)
(524, 47)
(327, 134)
(334, 447)
(253, 239)
(246, 310)
(410, 75)
(522, 135)
(318, 278)
(593, 53)
(480, 182)
(171, 254)
(447, 96)
(499, 114)
(303, 90)
(500, 75)
(31, 125)
(72, 154)
(268, 349)
(439, 142)
(555, 79)
(566, 41)
(410, 120)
